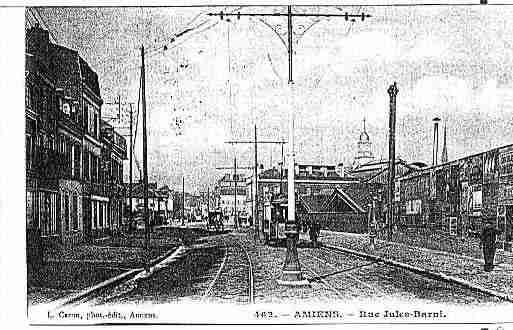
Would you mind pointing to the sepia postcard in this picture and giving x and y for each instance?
(339, 164)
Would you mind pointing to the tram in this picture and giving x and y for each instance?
(274, 218)
(215, 220)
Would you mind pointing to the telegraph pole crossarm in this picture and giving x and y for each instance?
(291, 273)
(255, 142)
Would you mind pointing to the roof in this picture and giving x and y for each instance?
(153, 192)
(274, 173)
(356, 196)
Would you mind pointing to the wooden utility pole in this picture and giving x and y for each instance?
(258, 226)
(208, 201)
(235, 192)
(131, 223)
(392, 92)
(145, 162)
(281, 170)
(254, 203)
(183, 201)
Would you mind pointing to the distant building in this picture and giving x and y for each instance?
(376, 171)
(231, 195)
(344, 208)
(310, 179)
(160, 202)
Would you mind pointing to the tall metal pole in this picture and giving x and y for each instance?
(183, 201)
(291, 273)
(145, 162)
(235, 192)
(131, 223)
(281, 170)
(392, 91)
(208, 201)
(255, 188)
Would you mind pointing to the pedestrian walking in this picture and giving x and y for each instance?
(315, 229)
(488, 237)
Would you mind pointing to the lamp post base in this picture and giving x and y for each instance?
(291, 274)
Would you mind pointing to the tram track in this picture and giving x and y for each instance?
(337, 280)
(227, 283)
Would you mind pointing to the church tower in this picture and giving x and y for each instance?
(364, 152)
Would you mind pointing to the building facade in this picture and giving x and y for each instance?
(68, 193)
(459, 198)
(231, 195)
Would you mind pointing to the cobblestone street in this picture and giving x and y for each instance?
(235, 268)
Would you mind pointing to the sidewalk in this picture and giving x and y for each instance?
(464, 267)
(70, 270)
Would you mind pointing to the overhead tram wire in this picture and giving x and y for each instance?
(157, 50)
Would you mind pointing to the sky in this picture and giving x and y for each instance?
(221, 78)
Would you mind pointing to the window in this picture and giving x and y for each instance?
(94, 173)
(86, 116)
(95, 125)
(76, 161)
(66, 213)
(28, 97)
(86, 157)
(100, 221)
(453, 226)
(48, 215)
(66, 108)
(74, 112)
(29, 151)
(94, 214)
(30, 209)
(74, 207)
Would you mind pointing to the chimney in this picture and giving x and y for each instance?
(436, 120)
(445, 158)
(38, 40)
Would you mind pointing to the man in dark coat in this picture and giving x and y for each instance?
(488, 237)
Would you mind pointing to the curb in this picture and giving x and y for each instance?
(111, 281)
(90, 290)
(424, 272)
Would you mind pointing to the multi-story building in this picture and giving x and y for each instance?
(160, 202)
(42, 159)
(231, 195)
(460, 197)
(309, 179)
(114, 151)
(67, 193)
